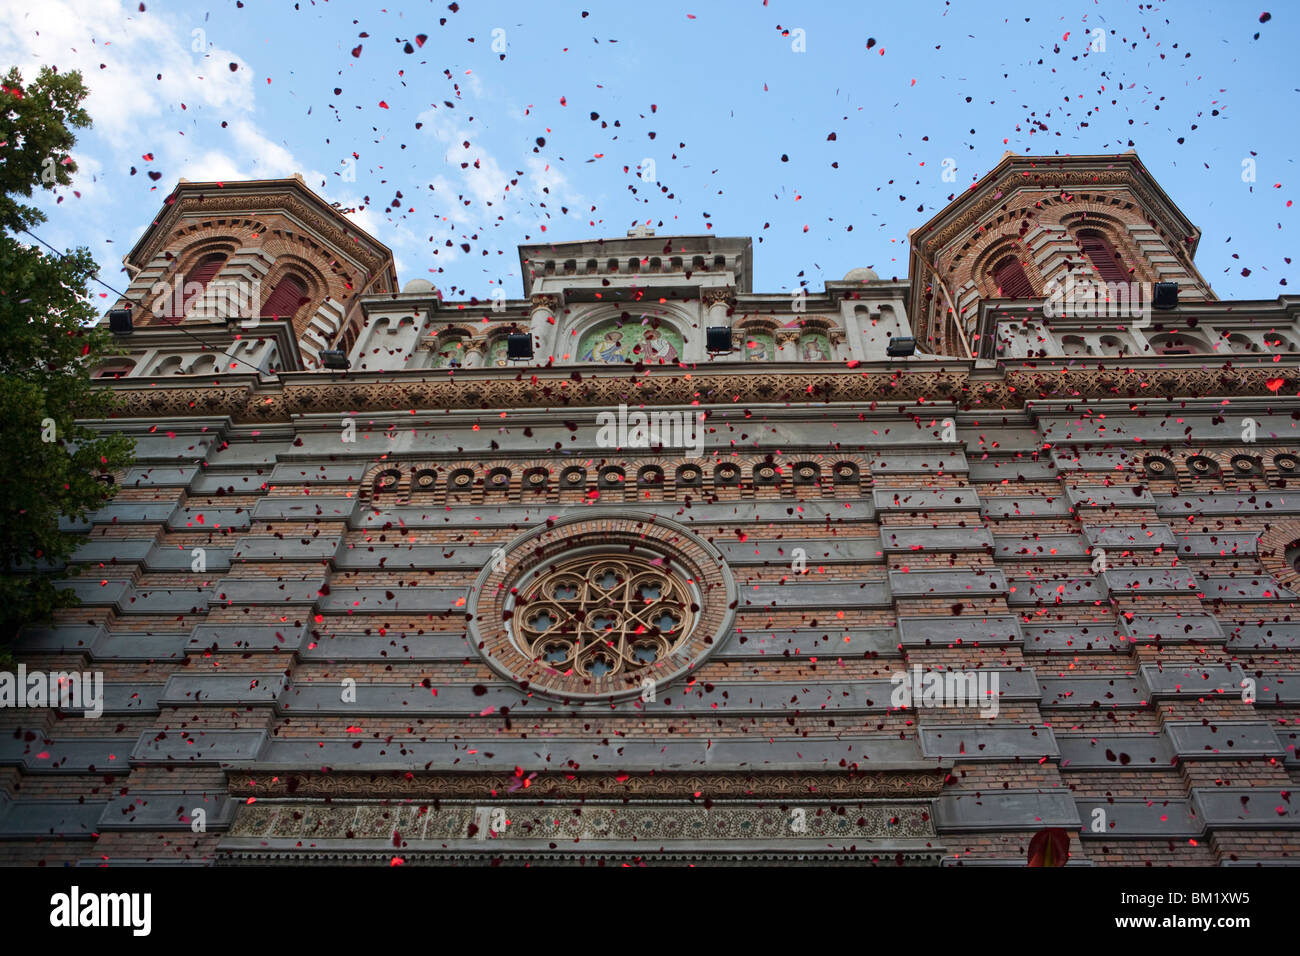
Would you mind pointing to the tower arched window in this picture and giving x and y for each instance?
(288, 296)
(1099, 251)
(192, 285)
(1011, 279)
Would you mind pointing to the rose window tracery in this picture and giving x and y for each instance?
(596, 615)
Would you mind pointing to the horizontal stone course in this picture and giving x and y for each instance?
(1024, 506)
(50, 819)
(1172, 628)
(1093, 692)
(197, 748)
(1128, 537)
(167, 810)
(941, 540)
(556, 754)
(1073, 590)
(1252, 808)
(959, 630)
(407, 600)
(238, 690)
(1148, 581)
(1048, 547)
(1115, 751)
(1089, 497)
(1227, 739)
(830, 597)
(267, 591)
(1193, 681)
(1227, 503)
(1138, 818)
(305, 508)
(987, 741)
(926, 499)
(803, 642)
(954, 583)
(1009, 810)
(295, 548)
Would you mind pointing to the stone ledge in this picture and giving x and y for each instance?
(1006, 810)
(1246, 808)
(167, 810)
(951, 631)
(1115, 752)
(963, 743)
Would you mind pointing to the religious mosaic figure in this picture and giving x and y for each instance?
(760, 347)
(616, 342)
(815, 348)
(657, 348)
(450, 353)
(608, 349)
(497, 353)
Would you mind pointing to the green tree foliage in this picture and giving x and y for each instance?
(49, 465)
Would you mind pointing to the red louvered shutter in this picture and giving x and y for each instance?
(285, 299)
(1103, 257)
(1011, 280)
(202, 273)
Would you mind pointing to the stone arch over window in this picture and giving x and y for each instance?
(192, 271)
(498, 480)
(726, 475)
(116, 368)
(1177, 343)
(1098, 249)
(1240, 342)
(1074, 345)
(171, 365)
(689, 476)
(1010, 280)
(204, 365)
(293, 291)
(1277, 342)
(1100, 237)
(611, 476)
(1008, 257)
(1113, 345)
(287, 296)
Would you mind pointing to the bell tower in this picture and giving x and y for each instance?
(237, 278)
(1043, 229)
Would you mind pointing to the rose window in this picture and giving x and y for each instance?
(597, 616)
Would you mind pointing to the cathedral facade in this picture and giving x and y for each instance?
(649, 566)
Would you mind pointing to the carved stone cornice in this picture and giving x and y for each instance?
(785, 382)
(666, 785)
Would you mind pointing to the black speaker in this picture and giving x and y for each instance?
(717, 338)
(333, 358)
(119, 322)
(1165, 296)
(519, 346)
(901, 345)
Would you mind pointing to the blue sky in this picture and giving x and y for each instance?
(737, 123)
